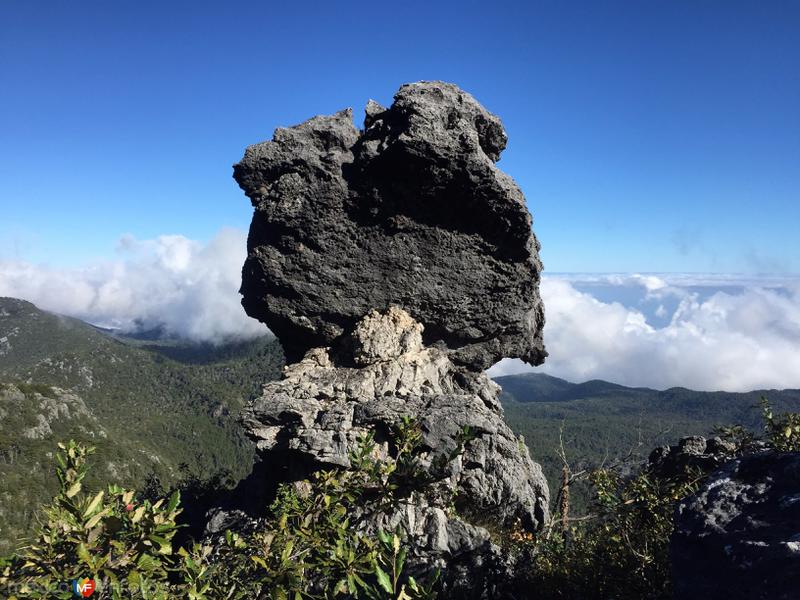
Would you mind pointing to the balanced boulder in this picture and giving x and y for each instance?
(410, 212)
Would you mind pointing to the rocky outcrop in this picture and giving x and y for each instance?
(411, 212)
(693, 453)
(314, 416)
(34, 411)
(395, 264)
(738, 537)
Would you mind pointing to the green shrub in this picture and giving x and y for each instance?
(109, 536)
(312, 545)
(622, 551)
(782, 431)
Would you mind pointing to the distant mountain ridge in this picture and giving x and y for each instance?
(541, 387)
(538, 387)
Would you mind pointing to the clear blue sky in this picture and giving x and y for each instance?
(646, 135)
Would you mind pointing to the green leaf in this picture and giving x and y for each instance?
(138, 514)
(93, 504)
(164, 545)
(259, 561)
(287, 550)
(83, 554)
(96, 519)
(158, 539)
(134, 578)
(383, 579)
(76, 487)
(174, 500)
(147, 563)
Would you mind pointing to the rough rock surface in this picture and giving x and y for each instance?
(691, 453)
(312, 418)
(739, 537)
(410, 212)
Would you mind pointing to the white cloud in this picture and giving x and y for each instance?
(189, 288)
(729, 340)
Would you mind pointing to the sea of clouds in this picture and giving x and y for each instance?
(707, 332)
(187, 288)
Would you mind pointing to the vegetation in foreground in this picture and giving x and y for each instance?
(312, 545)
(620, 550)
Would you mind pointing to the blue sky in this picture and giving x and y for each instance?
(647, 136)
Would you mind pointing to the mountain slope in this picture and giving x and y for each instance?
(32, 418)
(157, 409)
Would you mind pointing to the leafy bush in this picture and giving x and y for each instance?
(782, 431)
(108, 535)
(622, 552)
(313, 545)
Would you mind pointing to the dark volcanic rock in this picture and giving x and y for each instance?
(738, 538)
(410, 212)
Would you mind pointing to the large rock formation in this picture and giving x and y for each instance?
(395, 264)
(410, 212)
(738, 537)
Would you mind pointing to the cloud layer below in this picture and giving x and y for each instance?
(701, 332)
(188, 288)
(705, 333)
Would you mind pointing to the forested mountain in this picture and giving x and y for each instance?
(154, 409)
